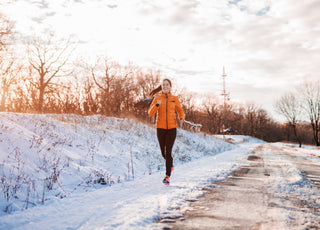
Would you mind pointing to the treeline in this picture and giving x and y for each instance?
(46, 80)
(301, 105)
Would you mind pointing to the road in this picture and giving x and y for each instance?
(278, 187)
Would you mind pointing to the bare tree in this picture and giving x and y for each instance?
(5, 31)
(262, 123)
(49, 59)
(251, 115)
(8, 62)
(9, 70)
(312, 106)
(147, 81)
(210, 106)
(290, 108)
(89, 102)
(104, 78)
(187, 101)
(126, 91)
(238, 118)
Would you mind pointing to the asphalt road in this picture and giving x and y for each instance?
(250, 197)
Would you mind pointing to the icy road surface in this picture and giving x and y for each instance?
(276, 188)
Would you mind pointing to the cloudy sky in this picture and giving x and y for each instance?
(268, 47)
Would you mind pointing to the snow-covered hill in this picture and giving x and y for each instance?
(56, 165)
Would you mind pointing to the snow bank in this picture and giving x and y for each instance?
(240, 139)
(132, 205)
(44, 157)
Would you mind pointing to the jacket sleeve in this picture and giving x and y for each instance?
(179, 110)
(153, 108)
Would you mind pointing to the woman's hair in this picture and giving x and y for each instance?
(159, 88)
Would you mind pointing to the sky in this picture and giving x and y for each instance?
(267, 47)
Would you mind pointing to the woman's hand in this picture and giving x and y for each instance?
(181, 122)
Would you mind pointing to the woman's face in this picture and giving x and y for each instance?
(166, 87)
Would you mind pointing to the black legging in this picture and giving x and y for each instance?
(166, 138)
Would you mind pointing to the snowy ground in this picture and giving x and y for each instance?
(50, 166)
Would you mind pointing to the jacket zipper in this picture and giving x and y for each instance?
(167, 110)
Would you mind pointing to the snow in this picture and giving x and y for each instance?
(240, 139)
(50, 165)
(62, 156)
(289, 183)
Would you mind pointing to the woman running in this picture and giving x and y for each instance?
(165, 106)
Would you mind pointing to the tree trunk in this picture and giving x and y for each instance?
(296, 135)
(3, 95)
(41, 96)
(316, 134)
(3, 101)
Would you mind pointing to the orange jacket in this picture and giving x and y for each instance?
(166, 116)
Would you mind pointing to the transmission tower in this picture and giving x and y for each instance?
(226, 96)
